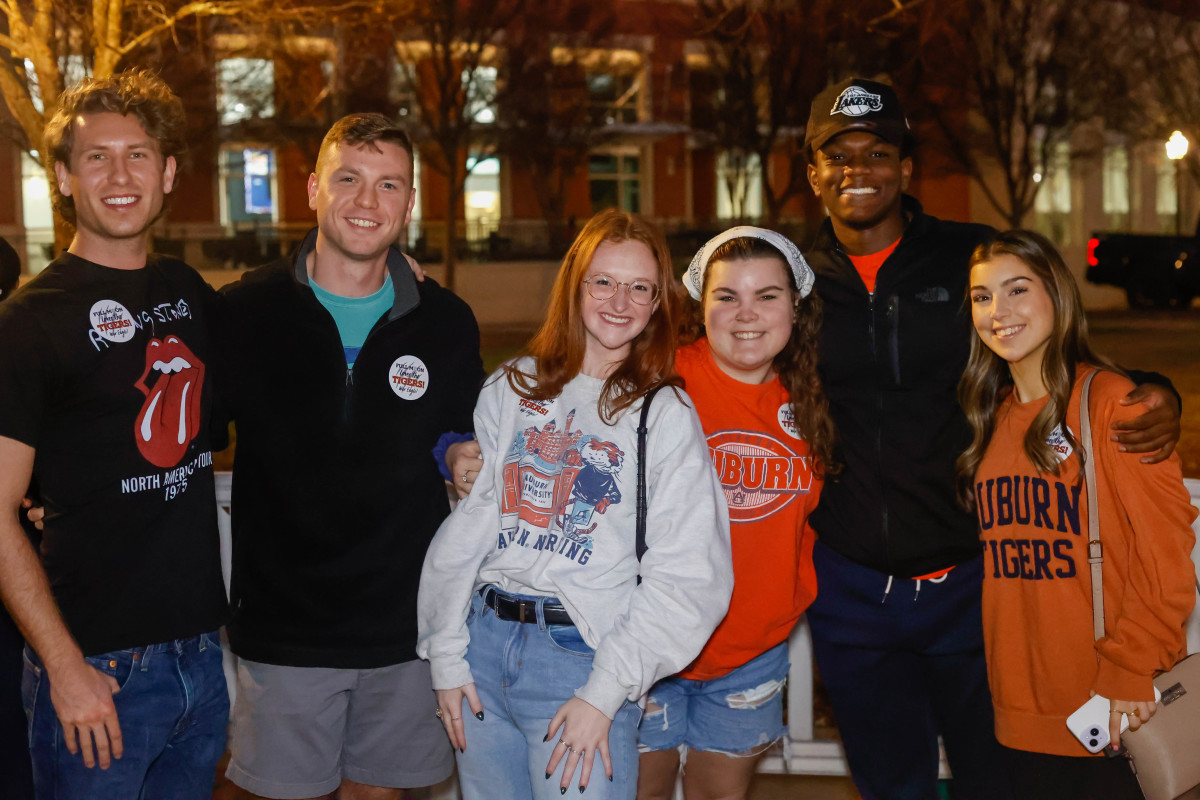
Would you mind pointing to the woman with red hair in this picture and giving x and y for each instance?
(542, 626)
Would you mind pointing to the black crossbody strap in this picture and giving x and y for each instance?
(642, 430)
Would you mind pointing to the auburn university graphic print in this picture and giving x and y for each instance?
(759, 473)
(172, 382)
(561, 481)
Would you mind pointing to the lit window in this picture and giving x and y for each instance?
(38, 217)
(414, 224)
(248, 182)
(1116, 180)
(613, 97)
(1055, 194)
(1166, 198)
(615, 180)
(73, 69)
(739, 185)
(613, 79)
(245, 89)
(482, 189)
(1052, 206)
(401, 91)
(481, 94)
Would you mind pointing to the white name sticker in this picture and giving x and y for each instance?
(787, 420)
(112, 320)
(1058, 442)
(408, 377)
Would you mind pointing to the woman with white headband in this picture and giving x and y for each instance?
(751, 370)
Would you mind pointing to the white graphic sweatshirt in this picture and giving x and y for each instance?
(553, 514)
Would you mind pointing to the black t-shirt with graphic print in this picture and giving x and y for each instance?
(106, 374)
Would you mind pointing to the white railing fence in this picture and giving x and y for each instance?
(801, 752)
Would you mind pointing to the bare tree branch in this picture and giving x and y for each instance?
(762, 57)
(1005, 82)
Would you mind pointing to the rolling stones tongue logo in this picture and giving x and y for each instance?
(170, 417)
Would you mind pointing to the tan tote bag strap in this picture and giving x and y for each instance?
(1094, 549)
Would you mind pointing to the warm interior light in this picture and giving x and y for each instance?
(1177, 146)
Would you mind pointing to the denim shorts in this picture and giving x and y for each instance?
(737, 714)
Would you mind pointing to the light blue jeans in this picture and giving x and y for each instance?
(523, 673)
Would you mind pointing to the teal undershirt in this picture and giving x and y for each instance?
(355, 316)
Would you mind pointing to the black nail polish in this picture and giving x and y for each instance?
(610, 778)
(562, 790)
(462, 749)
(547, 776)
(546, 738)
(581, 790)
(479, 716)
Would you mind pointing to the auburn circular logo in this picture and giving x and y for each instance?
(759, 473)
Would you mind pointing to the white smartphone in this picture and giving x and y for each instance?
(1089, 722)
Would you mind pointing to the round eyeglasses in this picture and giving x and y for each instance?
(604, 287)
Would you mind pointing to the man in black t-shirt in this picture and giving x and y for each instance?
(104, 400)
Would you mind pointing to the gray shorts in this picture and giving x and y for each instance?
(298, 731)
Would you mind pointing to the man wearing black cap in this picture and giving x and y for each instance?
(897, 622)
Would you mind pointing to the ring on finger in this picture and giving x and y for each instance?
(437, 712)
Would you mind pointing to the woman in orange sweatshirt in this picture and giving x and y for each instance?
(751, 370)
(1023, 476)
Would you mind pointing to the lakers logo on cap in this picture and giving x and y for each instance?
(856, 102)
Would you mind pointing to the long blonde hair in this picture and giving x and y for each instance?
(986, 382)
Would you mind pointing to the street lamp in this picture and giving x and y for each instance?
(1177, 147)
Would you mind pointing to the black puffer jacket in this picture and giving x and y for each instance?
(890, 365)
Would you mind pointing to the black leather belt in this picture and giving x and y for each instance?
(514, 609)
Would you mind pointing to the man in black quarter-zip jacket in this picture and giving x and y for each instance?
(343, 372)
(896, 624)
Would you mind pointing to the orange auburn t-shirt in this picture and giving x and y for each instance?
(868, 266)
(767, 475)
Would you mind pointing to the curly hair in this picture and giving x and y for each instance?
(559, 345)
(133, 92)
(987, 381)
(796, 363)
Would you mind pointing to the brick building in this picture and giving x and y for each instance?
(244, 198)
